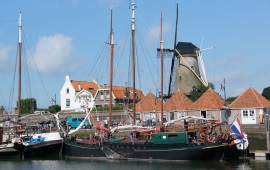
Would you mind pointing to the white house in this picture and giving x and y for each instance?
(76, 94)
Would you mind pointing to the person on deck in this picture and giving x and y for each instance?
(225, 135)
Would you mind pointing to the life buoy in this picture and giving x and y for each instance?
(211, 138)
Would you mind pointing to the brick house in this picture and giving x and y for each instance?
(211, 106)
(250, 107)
(177, 106)
(76, 94)
(122, 96)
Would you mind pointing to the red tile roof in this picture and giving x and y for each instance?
(209, 100)
(250, 99)
(84, 85)
(178, 102)
(120, 92)
(147, 103)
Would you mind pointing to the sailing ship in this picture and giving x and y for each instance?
(91, 148)
(10, 125)
(21, 142)
(155, 142)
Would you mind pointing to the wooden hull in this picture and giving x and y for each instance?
(41, 149)
(170, 152)
(145, 151)
(82, 150)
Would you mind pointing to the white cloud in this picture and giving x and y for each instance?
(153, 35)
(52, 52)
(4, 51)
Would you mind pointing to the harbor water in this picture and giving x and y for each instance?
(50, 163)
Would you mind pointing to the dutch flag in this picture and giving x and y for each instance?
(236, 128)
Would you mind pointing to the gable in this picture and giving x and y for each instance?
(178, 102)
(147, 103)
(250, 99)
(208, 101)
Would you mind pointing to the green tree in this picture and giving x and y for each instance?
(266, 93)
(28, 105)
(197, 92)
(229, 100)
(54, 108)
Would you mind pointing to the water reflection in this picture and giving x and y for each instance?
(73, 164)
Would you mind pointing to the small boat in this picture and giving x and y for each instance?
(36, 142)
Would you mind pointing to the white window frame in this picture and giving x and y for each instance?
(181, 114)
(67, 102)
(101, 95)
(248, 116)
(107, 95)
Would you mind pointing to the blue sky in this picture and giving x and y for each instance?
(67, 37)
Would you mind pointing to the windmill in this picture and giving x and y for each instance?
(186, 64)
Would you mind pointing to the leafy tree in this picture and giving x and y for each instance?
(266, 93)
(28, 105)
(197, 92)
(229, 100)
(54, 108)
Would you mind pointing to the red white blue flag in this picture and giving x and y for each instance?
(236, 128)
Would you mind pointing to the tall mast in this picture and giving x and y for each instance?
(133, 60)
(111, 71)
(161, 69)
(19, 65)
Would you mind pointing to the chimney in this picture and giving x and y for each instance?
(95, 81)
(67, 78)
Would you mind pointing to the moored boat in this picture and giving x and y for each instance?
(38, 142)
(152, 143)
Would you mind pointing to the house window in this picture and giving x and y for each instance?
(138, 117)
(67, 90)
(107, 95)
(146, 116)
(101, 95)
(164, 117)
(67, 102)
(171, 115)
(203, 114)
(248, 117)
(181, 114)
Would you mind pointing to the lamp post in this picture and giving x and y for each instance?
(267, 131)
